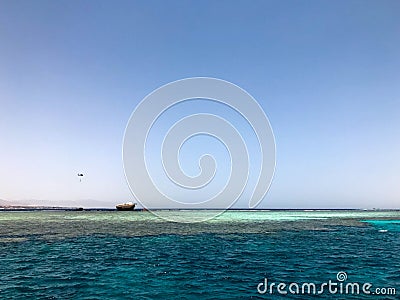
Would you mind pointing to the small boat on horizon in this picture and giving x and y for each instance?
(125, 206)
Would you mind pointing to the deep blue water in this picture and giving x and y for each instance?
(105, 255)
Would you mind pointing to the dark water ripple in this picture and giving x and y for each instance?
(100, 256)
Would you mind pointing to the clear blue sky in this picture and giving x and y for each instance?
(327, 74)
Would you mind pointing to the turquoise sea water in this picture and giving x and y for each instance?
(135, 255)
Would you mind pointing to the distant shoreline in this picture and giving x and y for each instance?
(58, 208)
